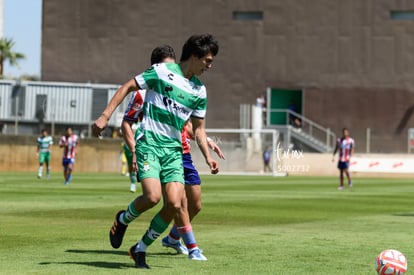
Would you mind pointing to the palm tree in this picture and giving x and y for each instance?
(6, 53)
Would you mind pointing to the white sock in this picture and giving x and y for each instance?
(141, 247)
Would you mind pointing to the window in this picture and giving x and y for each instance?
(248, 15)
(402, 15)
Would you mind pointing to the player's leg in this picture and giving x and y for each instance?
(40, 169)
(124, 166)
(191, 202)
(172, 203)
(132, 173)
(172, 240)
(65, 169)
(69, 172)
(341, 179)
(193, 192)
(47, 162)
(172, 174)
(148, 167)
(348, 176)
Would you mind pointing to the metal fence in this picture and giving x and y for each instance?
(25, 105)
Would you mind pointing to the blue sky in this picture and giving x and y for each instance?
(22, 21)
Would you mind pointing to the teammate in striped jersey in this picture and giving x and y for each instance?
(345, 145)
(44, 150)
(69, 142)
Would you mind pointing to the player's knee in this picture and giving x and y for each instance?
(174, 206)
(152, 199)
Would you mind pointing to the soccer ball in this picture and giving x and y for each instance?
(391, 261)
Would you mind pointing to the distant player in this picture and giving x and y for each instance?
(44, 146)
(345, 145)
(69, 142)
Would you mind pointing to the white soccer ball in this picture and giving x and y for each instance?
(391, 262)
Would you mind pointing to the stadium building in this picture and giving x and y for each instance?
(341, 63)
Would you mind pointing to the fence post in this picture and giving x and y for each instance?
(368, 139)
(328, 134)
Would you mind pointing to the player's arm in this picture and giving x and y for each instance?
(129, 138)
(62, 143)
(213, 146)
(201, 139)
(351, 153)
(101, 123)
(128, 134)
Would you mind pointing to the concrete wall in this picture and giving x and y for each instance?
(18, 153)
(96, 155)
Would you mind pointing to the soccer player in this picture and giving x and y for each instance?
(345, 145)
(192, 201)
(174, 95)
(132, 115)
(44, 149)
(69, 142)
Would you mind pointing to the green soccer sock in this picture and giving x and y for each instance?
(129, 215)
(157, 227)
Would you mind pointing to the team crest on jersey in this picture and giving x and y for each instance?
(146, 166)
(136, 106)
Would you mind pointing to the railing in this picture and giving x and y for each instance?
(307, 126)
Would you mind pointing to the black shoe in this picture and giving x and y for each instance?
(116, 234)
(138, 257)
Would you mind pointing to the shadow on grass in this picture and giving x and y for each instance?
(122, 253)
(404, 214)
(111, 265)
(107, 265)
(99, 252)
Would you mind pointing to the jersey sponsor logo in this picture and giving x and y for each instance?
(168, 89)
(169, 102)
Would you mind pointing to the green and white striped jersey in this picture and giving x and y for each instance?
(43, 143)
(170, 101)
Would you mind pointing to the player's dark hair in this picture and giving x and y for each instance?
(199, 45)
(160, 53)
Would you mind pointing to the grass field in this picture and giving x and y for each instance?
(248, 225)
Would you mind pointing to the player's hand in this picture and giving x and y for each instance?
(99, 126)
(214, 167)
(216, 149)
(134, 162)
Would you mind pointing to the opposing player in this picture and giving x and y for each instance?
(345, 145)
(69, 142)
(192, 201)
(44, 150)
(174, 95)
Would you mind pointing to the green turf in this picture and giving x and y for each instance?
(248, 225)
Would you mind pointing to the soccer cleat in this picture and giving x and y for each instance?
(196, 255)
(179, 247)
(350, 184)
(138, 257)
(340, 188)
(117, 232)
